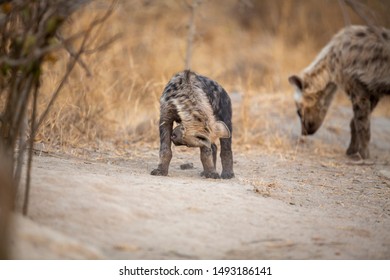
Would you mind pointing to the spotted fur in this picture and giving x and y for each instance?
(356, 60)
(202, 108)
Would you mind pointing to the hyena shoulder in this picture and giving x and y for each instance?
(361, 54)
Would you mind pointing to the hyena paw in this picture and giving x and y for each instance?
(227, 175)
(212, 175)
(364, 153)
(351, 150)
(159, 172)
(359, 155)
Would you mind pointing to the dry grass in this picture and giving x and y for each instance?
(250, 47)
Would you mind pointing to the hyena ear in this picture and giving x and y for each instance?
(330, 88)
(296, 81)
(329, 92)
(203, 141)
(221, 130)
(298, 84)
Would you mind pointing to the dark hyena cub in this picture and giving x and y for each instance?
(357, 60)
(203, 110)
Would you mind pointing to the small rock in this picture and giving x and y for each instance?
(186, 166)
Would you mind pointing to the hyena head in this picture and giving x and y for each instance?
(201, 137)
(312, 102)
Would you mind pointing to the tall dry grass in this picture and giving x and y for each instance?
(250, 47)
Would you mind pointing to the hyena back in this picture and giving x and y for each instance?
(202, 108)
(357, 60)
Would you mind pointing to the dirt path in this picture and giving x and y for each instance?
(308, 202)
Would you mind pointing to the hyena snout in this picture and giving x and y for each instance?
(195, 138)
(177, 136)
(309, 128)
(180, 137)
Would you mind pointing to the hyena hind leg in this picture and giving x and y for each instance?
(360, 127)
(353, 147)
(227, 158)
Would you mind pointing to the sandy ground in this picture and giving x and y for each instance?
(306, 200)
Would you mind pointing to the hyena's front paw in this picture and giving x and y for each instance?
(352, 150)
(212, 175)
(359, 154)
(227, 175)
(159, 172)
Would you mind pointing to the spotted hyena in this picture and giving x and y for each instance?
(203, 110)
(357, 60)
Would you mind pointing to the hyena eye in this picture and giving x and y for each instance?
(201, 138)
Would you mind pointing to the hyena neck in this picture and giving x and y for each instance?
(319, 74)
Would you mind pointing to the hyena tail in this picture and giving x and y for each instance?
(189, 87)
(187, 77)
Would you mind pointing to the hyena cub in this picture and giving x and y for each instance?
(357, 60)
(203, 110)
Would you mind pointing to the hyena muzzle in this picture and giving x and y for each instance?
(357, 60)
(203, 111)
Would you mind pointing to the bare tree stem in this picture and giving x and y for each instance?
(30, 149)
(191, 33)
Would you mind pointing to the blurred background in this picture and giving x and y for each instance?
(250, 47)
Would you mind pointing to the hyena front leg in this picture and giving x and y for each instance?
(165, 148)
(227, 158)
(206, 156)
(354, 144)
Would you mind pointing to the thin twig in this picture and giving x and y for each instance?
(72, 53)
(344, 11)
(104, 45)
(21, 152)
(361, 10)
(30, 150)
(191, 33)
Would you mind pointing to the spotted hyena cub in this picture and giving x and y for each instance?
(203, 111)
(357, 60)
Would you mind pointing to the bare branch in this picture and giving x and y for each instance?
(362, 11)
(347, 20)
(30, 150)
(104, 45)
(72, 53)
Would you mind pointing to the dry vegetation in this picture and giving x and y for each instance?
(250, 47)
(110, 105)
